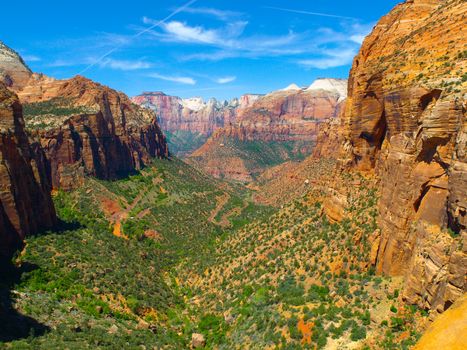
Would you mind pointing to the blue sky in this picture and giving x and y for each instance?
(188, 48)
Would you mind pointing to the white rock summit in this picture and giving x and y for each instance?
(333, 85)
(292, 87)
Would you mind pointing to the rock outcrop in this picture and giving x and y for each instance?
(87, 128)
(14, 73)
(192, 114)
(191, 118)
(285, 123)
(25, 203)
(448, 331)
(405, 121)
(289, 114)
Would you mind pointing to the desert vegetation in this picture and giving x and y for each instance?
(153, 258)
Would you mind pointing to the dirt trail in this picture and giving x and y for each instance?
(221, 201)
(122, 215)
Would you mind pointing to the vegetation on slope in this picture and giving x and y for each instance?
(295, 280)
(147, 261)
(91, 289)
(234, 159)
(182, 142)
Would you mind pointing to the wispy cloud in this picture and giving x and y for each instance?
(175, 79)
(176, 31)
(178, 10)
(124, 64)
(223, 15)
(309, 13)
(226, 80)
(31, 58)
(331, 59)
(228, 39)
(108, 62)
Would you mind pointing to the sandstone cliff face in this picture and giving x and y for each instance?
(448, 331)
(25, 203)
(284, 123)
(14, 73)
(98, 131)
(405, 119)
(288, 115)
(193, 115)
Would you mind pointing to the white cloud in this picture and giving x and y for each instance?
(181, 80)
(332, 58)
(124, 64)
(176, 31)
(219, 14)
(309, 13)
(226, 80)
(182, 32)
(31, 58)
(357, 38)
(108, 62)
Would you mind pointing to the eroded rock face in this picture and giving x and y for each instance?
(105, 136)
(25, 203)
(14, 73)
(290, 117)
(193, 114)
(405, 119)
(448, 331)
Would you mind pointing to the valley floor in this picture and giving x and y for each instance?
(146, 262)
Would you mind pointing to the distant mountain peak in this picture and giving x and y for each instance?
(292, 87)
(328, 84)
(13, 70)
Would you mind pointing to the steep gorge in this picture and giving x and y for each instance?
(284, 123)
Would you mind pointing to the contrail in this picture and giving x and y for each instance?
(308, 13)
(180, 9)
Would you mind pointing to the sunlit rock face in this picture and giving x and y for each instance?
(104, 134)
(280, 126)
(405, 120)
(14, 73)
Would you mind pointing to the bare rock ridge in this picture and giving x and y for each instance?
(291, 117)
(82, 127)
(87, 128)
(405, 121)
(25, 203)
(192, 114)
(292, 113)
(14, 73)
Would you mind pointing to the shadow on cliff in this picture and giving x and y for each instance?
(14, 325)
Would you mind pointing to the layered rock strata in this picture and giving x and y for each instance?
(193, 114)
(14, 73)
(405, 120)
(25, 203)
(106, 135)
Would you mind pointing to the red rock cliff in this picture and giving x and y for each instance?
(25, 203)
(193, 114)
(105, 135)
(292, 114)
(405, 119)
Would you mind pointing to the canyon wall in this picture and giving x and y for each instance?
(405, 122)
(192, 114)
(25, 203)
(86, 128)
(14, 73)
(277, 127)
